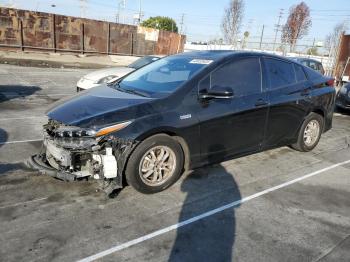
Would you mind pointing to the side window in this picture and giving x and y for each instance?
(305, 63)
(300, 74)
(204, 84)
(281, 73)
(312, 74)
(243, 76)
(320, 68)
(314, 65)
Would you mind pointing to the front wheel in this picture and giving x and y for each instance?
(155, 165)
(310, 133)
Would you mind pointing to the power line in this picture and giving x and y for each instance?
(330, 10)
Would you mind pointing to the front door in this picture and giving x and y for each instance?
(233, 126)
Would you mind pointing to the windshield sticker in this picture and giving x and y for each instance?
(201, 61)
(185, 117)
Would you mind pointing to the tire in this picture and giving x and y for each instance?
(302, 143)
(164, 173)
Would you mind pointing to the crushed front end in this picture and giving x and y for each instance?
(72, 153)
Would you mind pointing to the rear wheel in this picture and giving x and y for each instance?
(310, 133)
(155, 165)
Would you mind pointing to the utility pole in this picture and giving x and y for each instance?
(182, 23)
(250, 22)
(10, 4)
(261, 37)
(82, 8)
(118, 14)
(140, 11)
(121, 4)
(278, 25)
(36, 6)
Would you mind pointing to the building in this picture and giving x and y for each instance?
(342, 66)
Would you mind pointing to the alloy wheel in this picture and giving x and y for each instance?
(157, 165)
(311, 133)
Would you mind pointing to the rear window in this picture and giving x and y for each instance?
(299, 73)
(312, 74)
(305, 63)
(281, 73)
(314, 65)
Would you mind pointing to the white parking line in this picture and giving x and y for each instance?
(7, 95)
(22, 118)
(20, 141)
(340, 115)
(205, 215)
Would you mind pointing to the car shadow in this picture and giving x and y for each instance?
(342, 111)
(5, 168)
(211, 238)
(9, 92)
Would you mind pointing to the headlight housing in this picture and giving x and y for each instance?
(106, 79)
(77, 132)
(64, 132)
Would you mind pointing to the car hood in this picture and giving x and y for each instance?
(99, 106)
(115, 71)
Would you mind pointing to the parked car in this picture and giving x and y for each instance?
(312, 63)
(104, 75)
(343, 97)
(183, 112)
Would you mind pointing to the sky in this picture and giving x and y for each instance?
(202, 18)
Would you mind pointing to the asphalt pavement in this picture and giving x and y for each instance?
(279, 205)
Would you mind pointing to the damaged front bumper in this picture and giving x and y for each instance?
(39, 163)
(78, 158)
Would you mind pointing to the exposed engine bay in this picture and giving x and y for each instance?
(72, 153)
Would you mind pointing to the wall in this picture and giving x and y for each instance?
(28, 30)
(343, 55)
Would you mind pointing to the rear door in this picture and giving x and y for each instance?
(233, 126)
(289, 97)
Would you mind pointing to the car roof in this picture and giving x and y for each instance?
(212, 54)
(304, 59)
(217, 55)
(153, 56)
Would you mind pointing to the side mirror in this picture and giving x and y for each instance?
(217, 92)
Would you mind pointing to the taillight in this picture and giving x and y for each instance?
(330, 82)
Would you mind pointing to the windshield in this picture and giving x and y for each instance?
(164, 75)
(143, 61)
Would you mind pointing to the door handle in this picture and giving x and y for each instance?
(261, 103)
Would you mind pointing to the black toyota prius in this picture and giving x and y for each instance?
(183, 112)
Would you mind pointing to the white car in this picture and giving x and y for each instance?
(104, 75)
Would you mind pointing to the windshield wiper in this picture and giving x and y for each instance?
(130, 91)
(136, 92)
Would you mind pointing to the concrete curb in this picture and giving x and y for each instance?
(59, 60)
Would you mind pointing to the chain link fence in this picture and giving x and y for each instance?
(305, 49)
